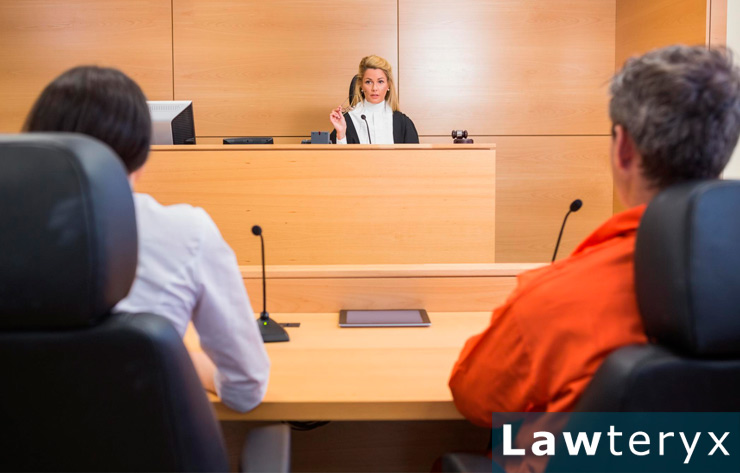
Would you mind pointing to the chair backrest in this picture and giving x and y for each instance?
(352, 88)
(687, 280)
(85, 389)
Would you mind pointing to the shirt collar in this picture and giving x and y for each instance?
(368, 108)
(620, 224)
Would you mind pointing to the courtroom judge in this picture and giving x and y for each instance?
(374, 117)
(186, 271)
(675, 116)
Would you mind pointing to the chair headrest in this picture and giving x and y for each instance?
(687, 268)
(352, 87)
(68, 239)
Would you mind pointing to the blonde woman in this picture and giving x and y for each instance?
(374, 117)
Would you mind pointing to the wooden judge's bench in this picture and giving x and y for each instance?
(355, 227)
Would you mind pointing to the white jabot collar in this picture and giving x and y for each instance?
(378, 122)
(368, 108)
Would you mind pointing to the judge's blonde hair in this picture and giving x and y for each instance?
(376, 62)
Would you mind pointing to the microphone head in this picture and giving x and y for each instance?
(362, 116)
(576, 205)
(257, 230)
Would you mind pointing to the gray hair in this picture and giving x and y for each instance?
(681, 106)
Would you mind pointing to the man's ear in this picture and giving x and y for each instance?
(625, 153)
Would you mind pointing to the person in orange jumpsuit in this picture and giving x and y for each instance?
(676, 116)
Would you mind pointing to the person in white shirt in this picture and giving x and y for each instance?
(373, 117)
(186, 271)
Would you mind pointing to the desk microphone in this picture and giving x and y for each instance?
(368, 128)
(574, 207)
(270, 330)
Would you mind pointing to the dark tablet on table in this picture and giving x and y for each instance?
(384, 318)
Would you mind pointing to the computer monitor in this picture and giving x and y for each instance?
(172, 122)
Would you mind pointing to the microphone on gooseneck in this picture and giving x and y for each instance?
(257, 231)
(368, 128)
(270, 330)
(574, 207)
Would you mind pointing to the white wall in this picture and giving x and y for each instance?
(732, 171)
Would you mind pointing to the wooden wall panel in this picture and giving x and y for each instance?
(362, 446)
(435, 287)
(642, 26)
(40, 39)
(441, 294)
(506, 67)
(274, 68)
(331, 288)
(338, 204)
(537, 177)
(513, 67)
(717, 18)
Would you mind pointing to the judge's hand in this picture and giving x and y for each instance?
(340, 124)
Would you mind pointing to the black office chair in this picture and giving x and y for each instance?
(352, 87)
(84, 389)
(350, 96)
(687, 278)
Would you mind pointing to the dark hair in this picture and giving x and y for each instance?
(681, 106)
(100, 102)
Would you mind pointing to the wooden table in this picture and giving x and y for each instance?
(384, 389)
(330, 373)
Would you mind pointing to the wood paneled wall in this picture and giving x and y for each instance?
(40, 39)
(530, 76)
(717, 23)
(274, 68)
(515, 67)
(642, 26)
(537, 177)
(507, 70)
(503, 67)
(516, 72)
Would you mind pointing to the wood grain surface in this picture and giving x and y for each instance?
(40, 39)
(338, 205)
(255, 68)
(537, 177)
(332, 373)
(643, 26)
(509, 67)
(331, 288)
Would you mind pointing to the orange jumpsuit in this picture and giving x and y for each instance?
(545, 343)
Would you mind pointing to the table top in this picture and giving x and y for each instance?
(330, 373)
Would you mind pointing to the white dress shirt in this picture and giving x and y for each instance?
(379, 118)
(186, 271)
